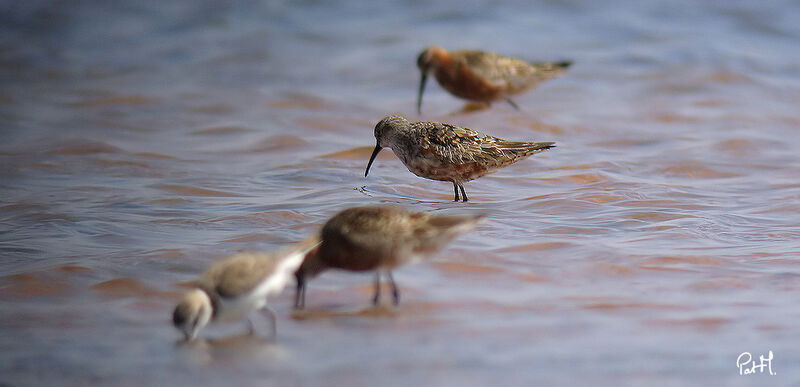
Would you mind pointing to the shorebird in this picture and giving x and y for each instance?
(379, 239)
(482, 76)
(234, 287)
(447, 152)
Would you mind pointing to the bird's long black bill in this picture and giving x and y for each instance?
(372, 158)
(422, 81)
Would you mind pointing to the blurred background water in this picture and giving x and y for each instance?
(142, 141)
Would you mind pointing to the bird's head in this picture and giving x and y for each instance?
(386, 132)
(192, 313)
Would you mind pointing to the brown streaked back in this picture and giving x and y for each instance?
(238, 274)
(366, 238)
(457, 145)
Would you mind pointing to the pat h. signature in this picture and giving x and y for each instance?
(748, 366)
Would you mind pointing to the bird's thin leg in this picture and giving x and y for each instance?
(300, 294)
(377, 297)
(510, 102)
(250, 329)
(303, 297)
(463, 194)
(271, 316)
(455, 188)
(395, 292)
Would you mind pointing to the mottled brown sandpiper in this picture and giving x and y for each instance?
(483, 76)
(446, 152)
(379, 239)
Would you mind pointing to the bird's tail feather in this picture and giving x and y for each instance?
(457, 224)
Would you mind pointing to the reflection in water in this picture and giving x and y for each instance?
(224, 352)
(316, 313)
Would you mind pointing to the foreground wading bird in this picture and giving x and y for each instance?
(379, 239)
(482, 76)
(234, 287)
(447, 152)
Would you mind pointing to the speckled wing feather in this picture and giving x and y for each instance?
(359, 227)
(496, 68)
(388, 230)
(457, 145)
(522, 149)
(515, 74)
(436, 231)
(238, 274)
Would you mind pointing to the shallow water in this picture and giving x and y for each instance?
(656, 243)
